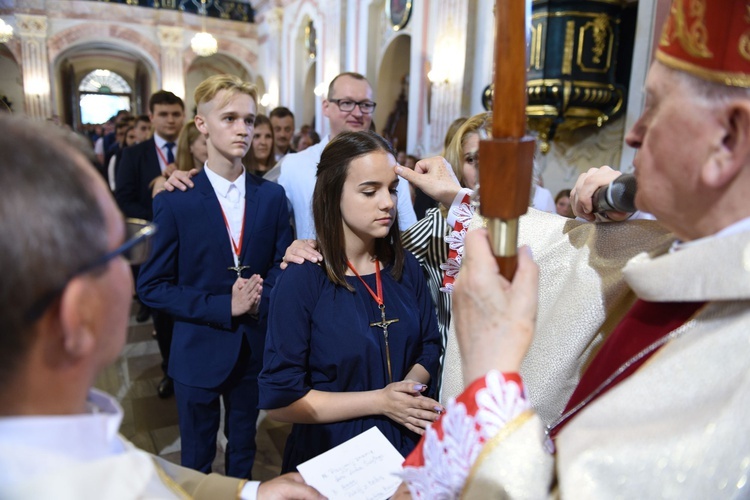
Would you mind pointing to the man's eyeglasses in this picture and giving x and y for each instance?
(137, 245)
(347, 105)
(135, 250)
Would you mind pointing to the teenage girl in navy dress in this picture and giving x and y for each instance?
(352, 342)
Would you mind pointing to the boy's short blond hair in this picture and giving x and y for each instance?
(208, 88)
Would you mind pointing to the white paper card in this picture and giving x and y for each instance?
(364, 467)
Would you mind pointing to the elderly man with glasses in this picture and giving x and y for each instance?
(65, 299)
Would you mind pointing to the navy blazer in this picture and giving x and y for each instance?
(187, 276)
(137, 168)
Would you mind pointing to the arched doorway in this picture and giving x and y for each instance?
(85, 47)
(203, 67)
(305, 62)
(391, 115)
(11, 82)
(77, 63)
(102, 93)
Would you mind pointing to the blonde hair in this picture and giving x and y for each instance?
(454, 154)
(208, 88)
(188, 135)
(481, 125)
(452, 129)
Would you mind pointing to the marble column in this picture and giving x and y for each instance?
(274, 22)
(32, 30)
(172, 75)
(448, 62)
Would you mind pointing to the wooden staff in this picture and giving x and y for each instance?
(506, 160)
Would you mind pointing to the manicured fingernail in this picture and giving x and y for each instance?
(399, 169)
(420, 387)
(439, 409)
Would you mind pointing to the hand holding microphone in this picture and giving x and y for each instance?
(604, 193)
(618, 196)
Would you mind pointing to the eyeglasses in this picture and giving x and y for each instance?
(347, 105)
(135, 250)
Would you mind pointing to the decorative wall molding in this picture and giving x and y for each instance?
(450, 34)
(114, 34)
(171, 40)
(575, 152)
(32, 30)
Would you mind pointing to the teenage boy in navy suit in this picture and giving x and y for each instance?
(215, 259)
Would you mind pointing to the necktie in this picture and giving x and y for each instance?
(170, 155)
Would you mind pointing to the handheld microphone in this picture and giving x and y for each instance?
(618, 195)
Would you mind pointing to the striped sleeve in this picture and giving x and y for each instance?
(426, 240)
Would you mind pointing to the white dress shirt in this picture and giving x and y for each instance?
(231, 197)
(34, 447)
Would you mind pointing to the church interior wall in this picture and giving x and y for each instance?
(308, 116)
(481, 57)
(302, 62)
(375, 38)
(203, 67)
(352, 35)
(394, 67)
(11, 81)
(295, 56)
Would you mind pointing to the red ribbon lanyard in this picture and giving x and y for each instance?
(237, 247)
(161, 155)
(379, 284)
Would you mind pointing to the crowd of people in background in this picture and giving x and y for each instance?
(275, 136)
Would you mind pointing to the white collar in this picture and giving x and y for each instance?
(86, 436)
(161, 142)
(736, 228)
(222, 185)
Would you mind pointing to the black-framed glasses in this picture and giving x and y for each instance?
(135, 250)
(347, 105)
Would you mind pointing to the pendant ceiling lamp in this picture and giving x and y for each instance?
(203, 43)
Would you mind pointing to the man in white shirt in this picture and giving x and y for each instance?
(65, 299)
(348, 107)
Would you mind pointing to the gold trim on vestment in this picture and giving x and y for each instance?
(240, 486)
(493, 443)
(170, 483)
(724, 77)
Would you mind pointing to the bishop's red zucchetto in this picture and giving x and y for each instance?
(709, 39)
